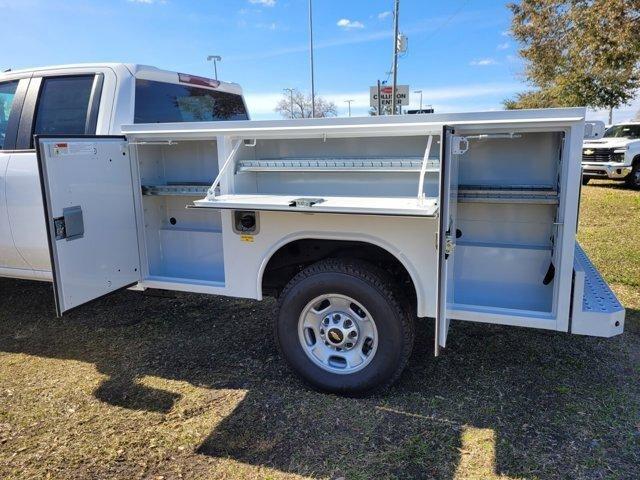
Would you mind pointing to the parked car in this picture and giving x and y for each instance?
(83, 100)
(615, 156)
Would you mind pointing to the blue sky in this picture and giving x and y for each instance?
(460, 53)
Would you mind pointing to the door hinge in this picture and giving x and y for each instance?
(449, 245)
(459, 145)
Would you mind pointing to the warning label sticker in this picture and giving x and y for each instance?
(74, 148)
(246, 238)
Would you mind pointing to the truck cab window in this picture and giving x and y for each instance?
(160, 102)
(63, 106)
(7, 92)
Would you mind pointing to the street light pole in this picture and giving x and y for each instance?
(349, 102)
(313, 86)
(215, 58)
(395, 57)
(290, 90)
(420, 92)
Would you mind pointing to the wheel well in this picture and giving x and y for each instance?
(293, 257)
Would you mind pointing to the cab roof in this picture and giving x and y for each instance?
(147, 72)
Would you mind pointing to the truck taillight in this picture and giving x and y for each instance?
(200, 81)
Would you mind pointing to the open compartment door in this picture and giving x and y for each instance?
(87, 189)
(450, 148)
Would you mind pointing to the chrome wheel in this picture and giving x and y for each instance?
(337, 333)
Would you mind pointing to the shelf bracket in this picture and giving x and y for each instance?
(423, 170)
(211, 194)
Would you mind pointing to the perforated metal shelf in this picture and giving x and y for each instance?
(187, 190)
(538, 194)
(343, 164)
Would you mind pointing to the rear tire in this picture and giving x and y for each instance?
(336, 301)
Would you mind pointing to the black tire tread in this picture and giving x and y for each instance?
(629, 180)
(376, 278)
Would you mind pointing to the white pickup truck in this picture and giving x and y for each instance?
(356, 225)
(89, 99)
(615, 156)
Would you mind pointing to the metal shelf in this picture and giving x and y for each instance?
(177, 190)
(538, 194)
(342, 164)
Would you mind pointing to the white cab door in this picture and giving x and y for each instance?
(9, 256)
(88, 196)
(448, 199)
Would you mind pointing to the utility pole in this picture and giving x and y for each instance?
(420, 92)
(215, 58)
(379, 100)
(395, 56)
(290, 90)
(349, 102)
(313, 86)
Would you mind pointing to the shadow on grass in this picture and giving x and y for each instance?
(560, 406)
(614, 185)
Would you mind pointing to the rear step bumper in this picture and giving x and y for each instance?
(596, 310)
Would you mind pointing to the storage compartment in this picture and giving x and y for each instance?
(181, 244)
(506, 219)
(337, 166)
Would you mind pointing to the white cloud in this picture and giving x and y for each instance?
(506, 33)
(266, 3)
(383, 15)
(349, 24)
(483, 62)
(503, 46)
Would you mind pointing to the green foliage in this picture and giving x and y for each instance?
(578, 52)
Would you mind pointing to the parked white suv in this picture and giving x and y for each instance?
(616, 155)
(91, 99)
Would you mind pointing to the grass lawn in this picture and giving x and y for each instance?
(196, 390)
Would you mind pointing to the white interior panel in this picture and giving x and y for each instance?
(181, 244)
(503, 277)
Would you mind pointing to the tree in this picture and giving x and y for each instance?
(298, 105)
(578, 52)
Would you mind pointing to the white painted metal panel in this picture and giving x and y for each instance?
(10, 259)
(92, 174)
(596, 310)
(447, 226)
(355, 205)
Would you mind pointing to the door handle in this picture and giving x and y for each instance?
(71, 225)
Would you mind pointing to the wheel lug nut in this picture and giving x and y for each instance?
(322, 331)
(336, 318)
(353, 334)
(326, 321)
(349, 345)
(348, 323)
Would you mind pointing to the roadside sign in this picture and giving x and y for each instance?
(402, 95)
